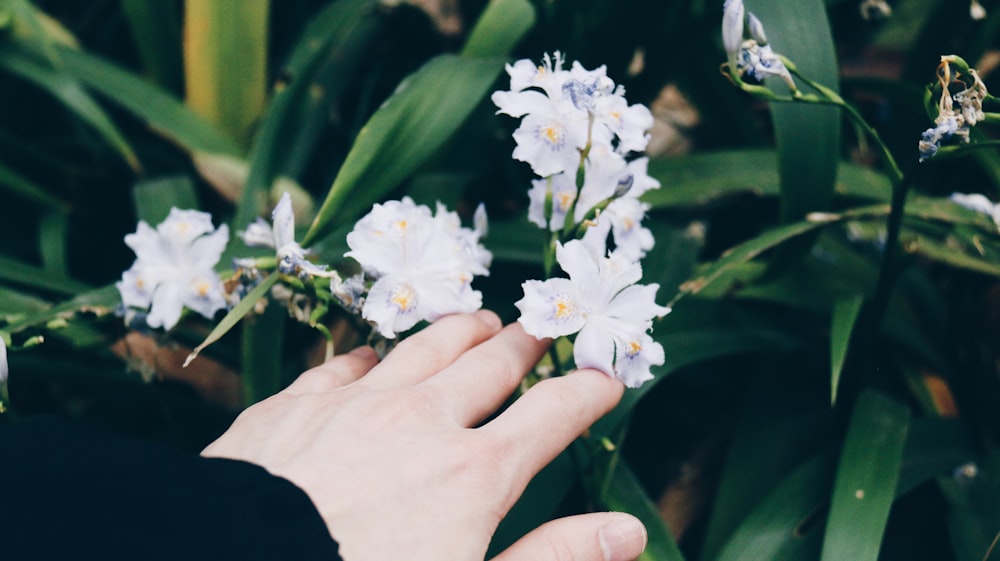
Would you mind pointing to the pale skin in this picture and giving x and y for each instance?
(397, 461)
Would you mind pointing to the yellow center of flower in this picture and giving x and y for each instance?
(202, 288)
(565, 199)
(564, 307)
(552, 134)
(633, 348)
(403, 298)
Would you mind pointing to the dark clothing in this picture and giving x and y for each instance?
(71, 492)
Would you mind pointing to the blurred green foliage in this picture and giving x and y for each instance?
(790, 421)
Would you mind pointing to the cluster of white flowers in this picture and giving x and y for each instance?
(753, 56)
(578, 133)
(953, 122)
(420, 264)
(417, 265)
(174, 268)
(579, 120)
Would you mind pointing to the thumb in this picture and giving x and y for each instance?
(600, 536)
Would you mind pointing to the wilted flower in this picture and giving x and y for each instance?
(951, 122)
(422, 264)
(281, 237)
(602, 304)
(174, 268)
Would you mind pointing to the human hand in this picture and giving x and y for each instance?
(387, 454)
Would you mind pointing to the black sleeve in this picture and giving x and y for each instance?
(71, 492)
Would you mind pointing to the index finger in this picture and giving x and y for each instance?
(546, 419)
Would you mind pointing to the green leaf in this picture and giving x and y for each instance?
(866, 479)
(100, 301)
(845, 313)
(162, 112)
(68, 92)
(743, 253)
(235, 315)
(625, 494)
(225, 62)
(332, 45)
(703, 178)
(37, 278)
(500, 28)
(156, 32)
(780, 527)
(25, 188)
(424, 112)
(154, 198)
(263, 337)
(808, 136)
(53, 231)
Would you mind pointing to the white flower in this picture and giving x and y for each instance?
(281, 236)
(174, 268)
(601, 302)
(422, 264)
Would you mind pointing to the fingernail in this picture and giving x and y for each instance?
(622, 540)
(490, 319)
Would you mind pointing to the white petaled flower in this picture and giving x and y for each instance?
(281, 237)
(561, 190)
(422, 264)
(175, 268)
(603, 305)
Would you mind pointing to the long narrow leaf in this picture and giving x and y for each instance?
(164, 113)
(746, 251)
(777, 528)
(100, 301)
(28, 275)
(156, 32)
(500, 27)
(225, 62)
(866, 479)
(845, 312)
(67, 91)
(235, 315)
(625, 494)
(25, 188)
(808, 136)
(333, 44)
(423, 113)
